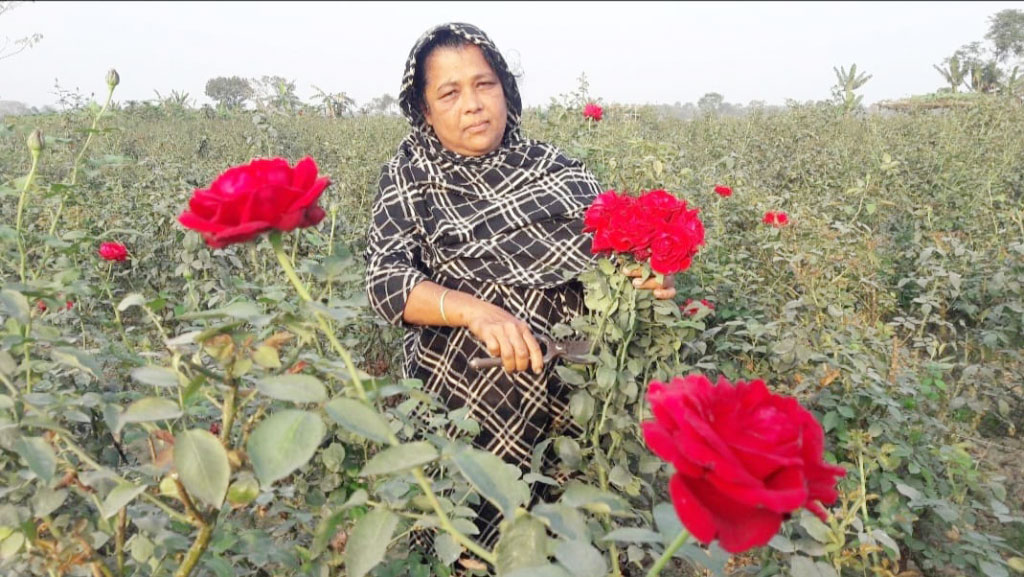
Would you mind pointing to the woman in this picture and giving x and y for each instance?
(475, 243)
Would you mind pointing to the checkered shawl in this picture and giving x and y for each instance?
(511, 217)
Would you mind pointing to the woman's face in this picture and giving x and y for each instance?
(465, 103)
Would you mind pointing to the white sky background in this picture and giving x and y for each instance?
(635, 53)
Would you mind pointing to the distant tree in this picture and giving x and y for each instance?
(846, 83)
(710, 103)
(981, 71)
(275, 93)
(952, 72)
(175, 101)
(1006, 32)
(229, 92)
(8, 47)
(383, 104)
(334, 105)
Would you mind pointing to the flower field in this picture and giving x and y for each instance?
(223, 402)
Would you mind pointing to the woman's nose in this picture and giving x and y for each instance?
(473, 101)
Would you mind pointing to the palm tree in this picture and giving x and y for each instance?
(953, 73)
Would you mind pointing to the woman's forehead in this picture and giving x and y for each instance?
(451, 64)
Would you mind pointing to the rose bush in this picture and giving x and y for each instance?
(246, 201)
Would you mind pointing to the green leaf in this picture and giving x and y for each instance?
(582, 559)
(550, 570)
(11, 545)
(244, 490)
(241, 310)
(202, 465)
(522, 545)
(815, 528)
(16, 305)
(668, 522)
(8, 365)
(369, 541)
(399, 458)
(149, 409)
(570, 376)
(132, 300)
(447, 549)
(119, 497)
(595, 500)
(495, 479)
(633, 535)
(76, 359)
(606, 377)
(266, 357)
(293, 388)
(359, 419)
(284, 442)
(805, 567)
(47, 500)
(565, 521)
(329, 523)
(39, 455)
(156, 376)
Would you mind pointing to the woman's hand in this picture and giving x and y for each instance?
(663, 290)
(507, 337)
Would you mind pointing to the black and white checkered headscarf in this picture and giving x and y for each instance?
(513, 216)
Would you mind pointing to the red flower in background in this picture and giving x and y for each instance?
(691, 308)
(776, 219)
(723, 191)
(655, 226)
(246, 201)
(744, 458)
(593, 111)
(113, 251)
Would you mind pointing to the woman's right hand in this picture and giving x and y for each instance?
(507, 337)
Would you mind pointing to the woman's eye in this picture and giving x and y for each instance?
(447, 95)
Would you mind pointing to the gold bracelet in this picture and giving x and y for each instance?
(443, 316)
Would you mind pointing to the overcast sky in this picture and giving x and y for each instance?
(633, 52)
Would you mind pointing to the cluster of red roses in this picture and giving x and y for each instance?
(655, 225)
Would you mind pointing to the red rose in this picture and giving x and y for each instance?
(723, 191)
(660, 205)
(691, 308)
(69, 305)
(215, 428)
(744, 458)
(113, 251)
(246, 201)
(592, 111)
(776, 219)
(41, 306)
(677, 242)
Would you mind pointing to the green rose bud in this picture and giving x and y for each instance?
(113, 79)
(36, 142)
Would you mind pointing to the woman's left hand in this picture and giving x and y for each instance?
(663, 290)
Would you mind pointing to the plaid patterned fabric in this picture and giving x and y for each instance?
(505, 227)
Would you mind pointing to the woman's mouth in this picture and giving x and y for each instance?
(478, 127)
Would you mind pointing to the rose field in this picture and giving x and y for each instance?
(175, 408)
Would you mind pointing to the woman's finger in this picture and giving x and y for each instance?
(522, 352)
(664, 293)
(536, 354)
(508, 352)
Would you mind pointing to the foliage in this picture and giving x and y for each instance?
(892, 306)
(846, 82)
(229, 92)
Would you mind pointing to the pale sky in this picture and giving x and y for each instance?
(631, 52)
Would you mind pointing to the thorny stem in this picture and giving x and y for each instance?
(289, 270)
(21, 210)
(78, 161)
(195, 552)
(613, 549)
(92, 463)
(679, 541)
(421, 478)
(122, 521)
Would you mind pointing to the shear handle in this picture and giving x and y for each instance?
(551, 350)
